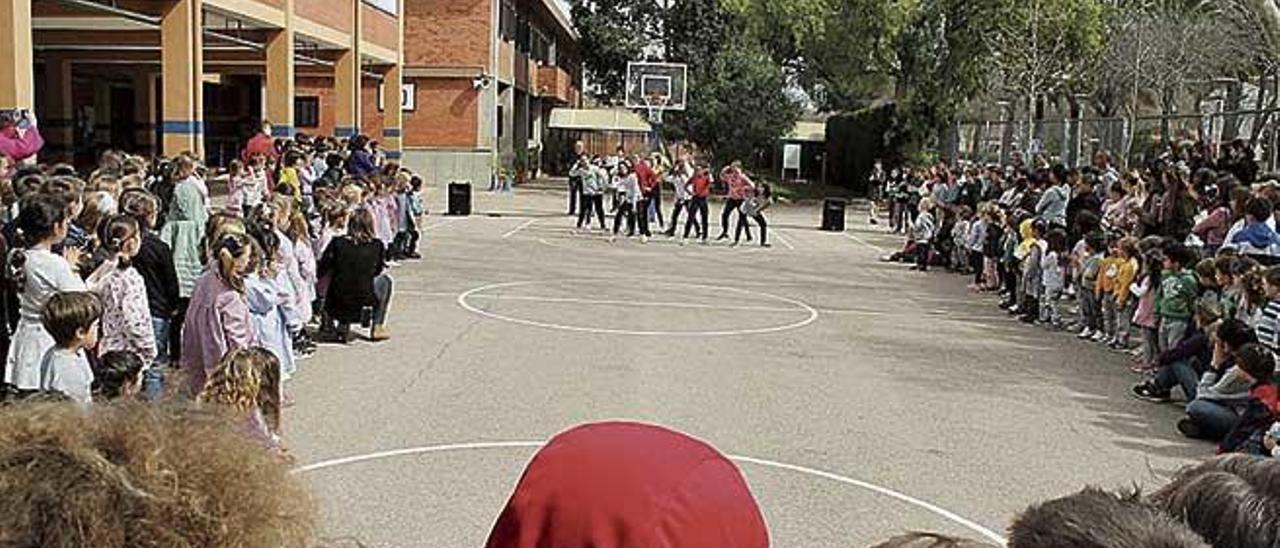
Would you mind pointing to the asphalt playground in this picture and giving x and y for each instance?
(861, 400)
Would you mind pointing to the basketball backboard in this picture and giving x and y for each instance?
(657, 86)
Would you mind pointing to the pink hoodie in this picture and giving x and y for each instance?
(20, 147)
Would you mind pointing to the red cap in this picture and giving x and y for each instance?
(629, 485)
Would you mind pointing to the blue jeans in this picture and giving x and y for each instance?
(1179, 373)
(153, 380)
(1214, 419)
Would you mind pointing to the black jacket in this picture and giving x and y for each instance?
(155, 263)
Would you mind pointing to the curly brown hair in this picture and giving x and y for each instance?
(127, 474)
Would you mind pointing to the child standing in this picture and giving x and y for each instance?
(1051, 278)
(1090, 304)
(1032, 271)
(218, 319)
(991, 250)
(922, 232)
(126, 318)
(37, 273)
(241, 385)
(1177, 295)
(974, 242)
(71, 318)
(1145, 313)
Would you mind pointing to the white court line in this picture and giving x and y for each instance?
(782, 238)
(812, 317)
(878, 489)
(874, 247)
(732, 308)
(694, 306)
(517, 229)
(443, 223)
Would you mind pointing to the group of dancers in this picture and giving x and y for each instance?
(635, 184)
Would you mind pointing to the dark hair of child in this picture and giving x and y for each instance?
(68, 313)
(116, 371)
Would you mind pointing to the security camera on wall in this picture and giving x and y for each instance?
(482, 82)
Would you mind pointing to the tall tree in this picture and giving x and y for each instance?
(1040, 48)
(737, 102)
(614, 32)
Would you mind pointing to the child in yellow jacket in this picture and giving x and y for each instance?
(1115, 274)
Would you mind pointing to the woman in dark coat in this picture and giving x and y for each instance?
(359, 290)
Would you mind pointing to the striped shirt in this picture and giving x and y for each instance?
(1268, 327)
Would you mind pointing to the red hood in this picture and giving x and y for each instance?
(628, 485)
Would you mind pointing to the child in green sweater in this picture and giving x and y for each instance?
(1176, 299)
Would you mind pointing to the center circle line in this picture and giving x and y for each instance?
(804, 470)
(812, 313)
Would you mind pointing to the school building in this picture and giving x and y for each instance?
(486, 75)
(449, 87)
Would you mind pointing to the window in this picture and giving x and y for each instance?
(507, 21)
(306, 112)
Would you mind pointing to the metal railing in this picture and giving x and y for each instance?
(1130, 141)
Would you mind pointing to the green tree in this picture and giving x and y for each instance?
(737, 99)
(613, 33)
(738, 104)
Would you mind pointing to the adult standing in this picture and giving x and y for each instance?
(649, 183)
(19, 137)
(183, 231)
(360, 163)
(261, 143)
(576, 154)
(699, 187)
(740, 188)
(678, 178)
(1052, 206)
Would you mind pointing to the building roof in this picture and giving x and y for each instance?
(599, 119)
(808, 132)
(557, 12)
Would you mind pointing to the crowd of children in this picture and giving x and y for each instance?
(1173, 264)
(635, 184)
(131, 282)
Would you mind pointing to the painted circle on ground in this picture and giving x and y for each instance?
(792, 306)
(766, 463)
(692, 248)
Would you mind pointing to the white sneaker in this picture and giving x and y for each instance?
(1087, 333)
(644, 239)
(613, 238)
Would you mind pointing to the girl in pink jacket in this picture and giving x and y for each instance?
(218, 318)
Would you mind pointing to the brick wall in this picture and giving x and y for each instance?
(370, 117)
(379, 27)
(335, 14)
(445, 116)
(311, 86)
(451, 33)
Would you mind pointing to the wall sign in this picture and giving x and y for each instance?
(408, 96)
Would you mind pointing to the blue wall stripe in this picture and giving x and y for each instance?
(344, 131)
(391, 132)
(282, 131)
(393, 154)
(183, 127)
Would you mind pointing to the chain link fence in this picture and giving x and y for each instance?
(1131, 142)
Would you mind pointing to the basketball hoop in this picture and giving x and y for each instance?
(655, 104)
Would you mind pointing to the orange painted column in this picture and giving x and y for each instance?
(17, 67)
(182, 72)
(346, 81)
(280, 72)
